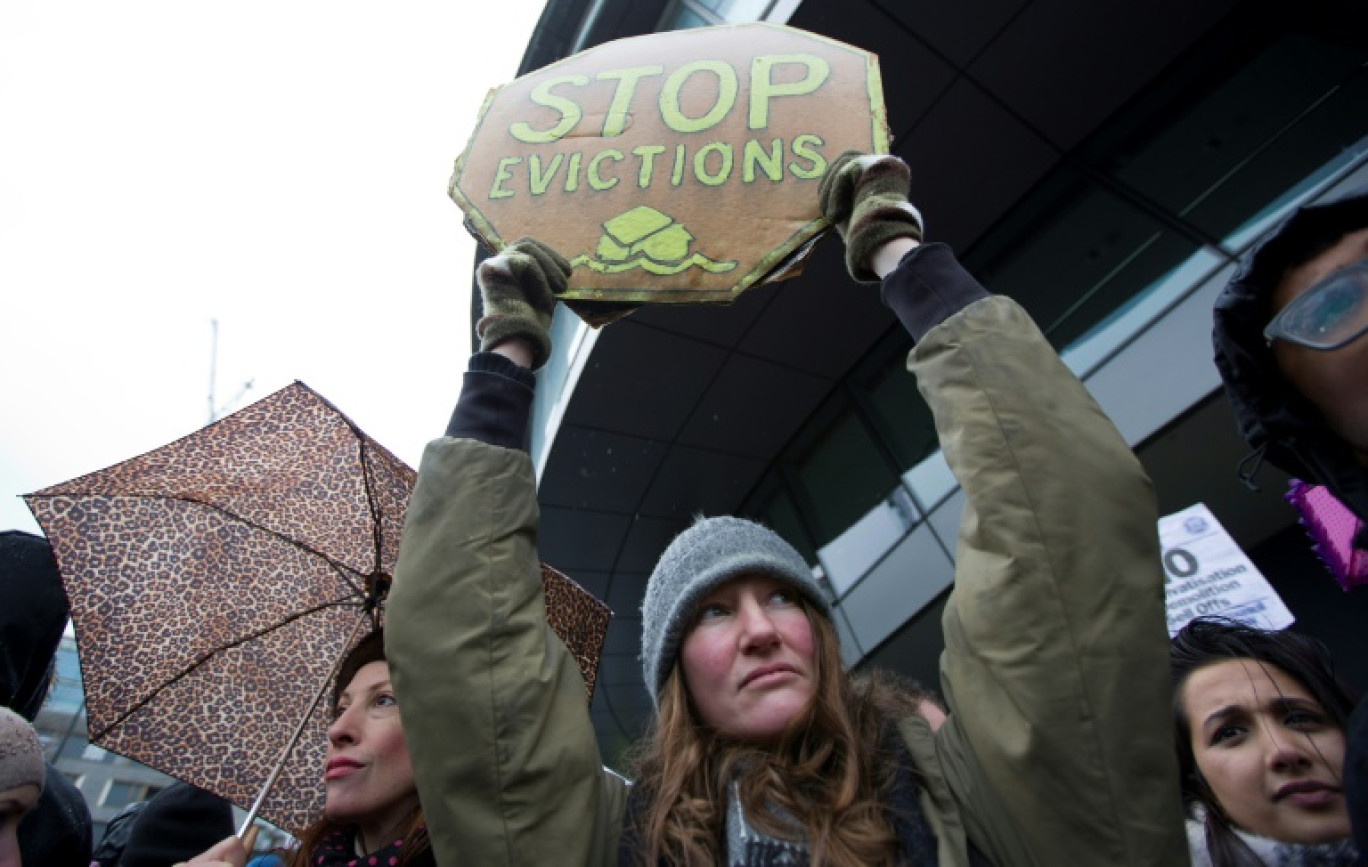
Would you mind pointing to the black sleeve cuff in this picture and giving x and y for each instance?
(929, 286)
(496, 402)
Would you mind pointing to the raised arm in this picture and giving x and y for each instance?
(1055, 665)
(493, 705)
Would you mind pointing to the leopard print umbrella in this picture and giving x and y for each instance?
(215, 581)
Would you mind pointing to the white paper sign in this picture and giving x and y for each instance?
(1206, 573)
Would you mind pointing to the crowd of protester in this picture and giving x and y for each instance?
(1068, 728)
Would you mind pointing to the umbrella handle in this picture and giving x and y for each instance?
(298, 732)
(248, 839)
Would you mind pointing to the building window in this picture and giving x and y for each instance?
(1253, 119)
(67, 694)
(684, 14)
(73, 747)
(887, 397)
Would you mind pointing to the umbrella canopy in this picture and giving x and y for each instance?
(215, 582)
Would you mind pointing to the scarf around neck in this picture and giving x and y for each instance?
(747, 847)
(338, 849)
(1274, 853)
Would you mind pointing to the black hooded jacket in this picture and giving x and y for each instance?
(57, 831)
(179, 823)
(1271, 414)
(32, 621)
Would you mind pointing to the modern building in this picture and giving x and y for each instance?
(1104, 163)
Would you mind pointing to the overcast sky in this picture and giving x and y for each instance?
(278, 166)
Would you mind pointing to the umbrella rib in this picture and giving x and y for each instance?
(362, 439)
(336, 603)
(339, 568)
(376, 529)
(343, 571)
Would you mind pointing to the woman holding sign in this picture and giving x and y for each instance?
(1259, 721)
(763, 750)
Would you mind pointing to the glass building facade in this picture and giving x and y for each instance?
(1113, 222)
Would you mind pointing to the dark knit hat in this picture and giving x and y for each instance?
(21, 756)
(179, 823)
(708, 554)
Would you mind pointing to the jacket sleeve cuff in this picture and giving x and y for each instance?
(495, 403)
(929, 286)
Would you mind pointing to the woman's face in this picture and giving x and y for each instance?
(748, 660)
(14, 803)
(367, 777)
(1270, 753)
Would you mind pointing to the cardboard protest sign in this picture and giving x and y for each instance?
(675, 167)
(1206, 573)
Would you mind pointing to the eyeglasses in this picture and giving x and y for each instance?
(1331, 314)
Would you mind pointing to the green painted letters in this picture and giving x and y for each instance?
(592, 173)
(772, 163)
(568, 108)
(764, 88)
(701, 163)
(670, 111)
(572, 173)
(648, 155)
(677, 174)
(503, 173)
(803, 149)
(540, 181)
(627, 79)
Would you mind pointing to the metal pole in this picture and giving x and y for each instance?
(213, 367)
(298, 732)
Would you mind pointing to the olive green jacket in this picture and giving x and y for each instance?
(1058, 748)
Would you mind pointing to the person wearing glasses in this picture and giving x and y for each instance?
(1291, 340)
(1290, 346)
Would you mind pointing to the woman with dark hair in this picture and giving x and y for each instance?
(1259, 722)
(371, 813)
(763, 750)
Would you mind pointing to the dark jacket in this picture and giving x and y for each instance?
(180, 822)
(57, 831)
(1273, 416)
(116, 835)
(34, 615)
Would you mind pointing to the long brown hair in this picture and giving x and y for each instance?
(413, 830)
(827, 772)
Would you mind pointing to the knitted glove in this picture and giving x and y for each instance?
(865, 197)
(518, 288)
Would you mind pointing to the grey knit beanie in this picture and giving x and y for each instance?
(710, 553)
(21, 756)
